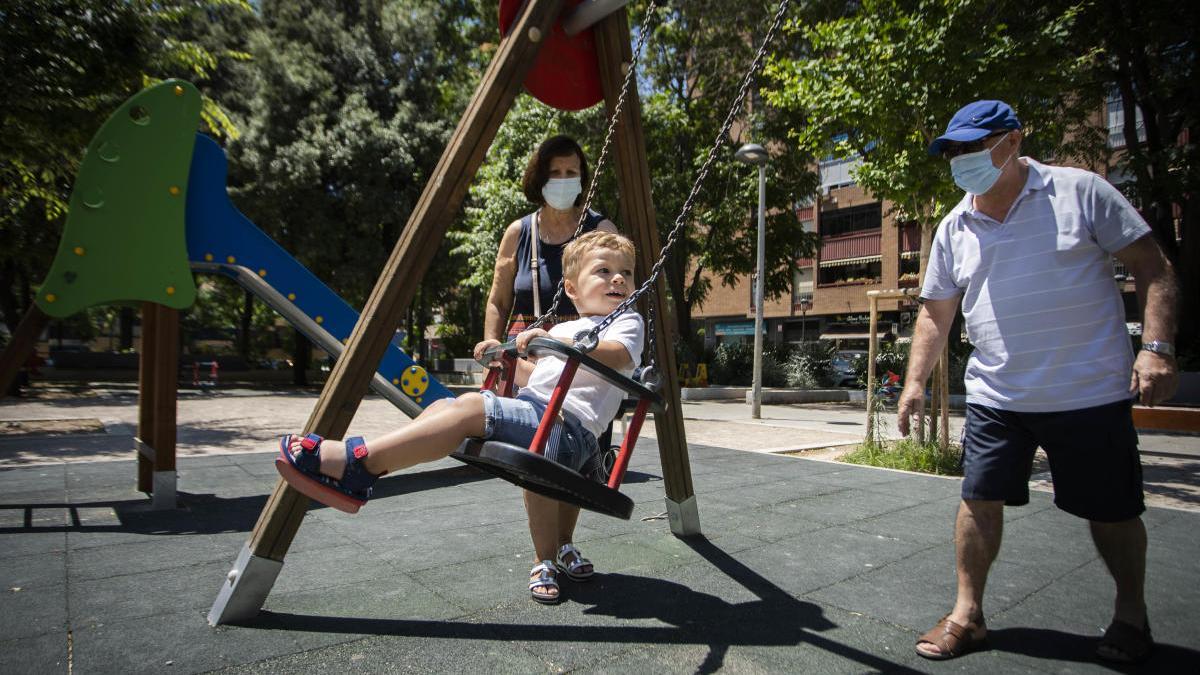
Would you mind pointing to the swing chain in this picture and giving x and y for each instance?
(689, 203)
(608, 135)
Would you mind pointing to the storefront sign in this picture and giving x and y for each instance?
(734, 328)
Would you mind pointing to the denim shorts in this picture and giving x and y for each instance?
(515, 421)
(1093, 456)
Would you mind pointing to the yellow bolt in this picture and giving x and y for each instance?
(50, 297)
(320, 319)
(208, 257)
(170, 290)
(262, 273)
(418, 399)
(291, 296)
(395, 380)
(178, 90)
(230, 259)
(79, 250)
(174, 190)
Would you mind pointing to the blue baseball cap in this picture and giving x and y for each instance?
(975, 120)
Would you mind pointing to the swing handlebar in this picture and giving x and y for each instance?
(507, 354)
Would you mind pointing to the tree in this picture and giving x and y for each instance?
(1150, 57)
(880, 82)
(350, 107)
(65, 65)
(694, 71)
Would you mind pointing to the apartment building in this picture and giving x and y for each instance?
(862, 248)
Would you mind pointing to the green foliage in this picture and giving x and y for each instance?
(65, 65)
(349, 109)
(809, 365)
(908, 455)
(692, 71)
(880, 82)
(732, 364)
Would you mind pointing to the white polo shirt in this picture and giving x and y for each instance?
(1041, 307)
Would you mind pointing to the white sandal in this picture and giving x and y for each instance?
(575, 569)
(545, 580)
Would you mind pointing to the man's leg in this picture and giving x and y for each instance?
(1122, 545)
(977, 533)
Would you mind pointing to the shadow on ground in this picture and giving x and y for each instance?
(776, 618)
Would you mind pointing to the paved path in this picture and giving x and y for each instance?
(805, 566)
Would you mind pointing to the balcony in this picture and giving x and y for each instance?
(850, 247)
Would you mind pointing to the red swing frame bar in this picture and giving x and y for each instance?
(507, 369)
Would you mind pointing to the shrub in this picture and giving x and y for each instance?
(732, 364)
(808, 365)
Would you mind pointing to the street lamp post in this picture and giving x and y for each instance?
(756, 155)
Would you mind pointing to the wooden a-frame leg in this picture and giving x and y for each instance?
(248, 583)
(637, 214)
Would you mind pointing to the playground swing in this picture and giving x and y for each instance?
(528, 467)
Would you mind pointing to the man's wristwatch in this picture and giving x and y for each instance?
(1160, 347)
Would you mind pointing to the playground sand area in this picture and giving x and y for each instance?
(804, 565)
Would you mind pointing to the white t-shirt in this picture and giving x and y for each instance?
(1041, 307)
(591, 398)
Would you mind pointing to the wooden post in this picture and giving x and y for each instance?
(251, 580)
(638, 216)
(166, 390)
(20, 346)
(158, 390)
(873, 301)
(944, 371)
(146, 383)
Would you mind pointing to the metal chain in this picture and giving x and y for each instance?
(592, 337)
(612, 125)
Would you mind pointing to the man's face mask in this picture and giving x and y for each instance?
(560, 193)
(974, 171)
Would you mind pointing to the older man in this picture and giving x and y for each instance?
(1028, 254)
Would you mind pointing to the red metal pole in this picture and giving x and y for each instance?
(550, 417)
(622, 461)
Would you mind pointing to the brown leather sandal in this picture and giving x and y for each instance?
(952, 639)
(1123, 643)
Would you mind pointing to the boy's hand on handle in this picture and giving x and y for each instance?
(482, 347)
(525, 336)
(911, 402)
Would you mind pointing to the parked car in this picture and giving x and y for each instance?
(845, 367)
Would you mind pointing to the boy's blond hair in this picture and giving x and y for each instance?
(577, 249)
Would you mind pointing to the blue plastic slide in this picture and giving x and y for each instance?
(222, 240)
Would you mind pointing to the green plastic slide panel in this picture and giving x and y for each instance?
(124, 239)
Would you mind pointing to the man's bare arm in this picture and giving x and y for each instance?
(929, 336)
(1154, 377)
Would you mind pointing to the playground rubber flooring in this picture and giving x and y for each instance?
(804, 566)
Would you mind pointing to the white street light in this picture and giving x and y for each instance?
(756, 155)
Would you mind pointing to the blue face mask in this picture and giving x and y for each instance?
(974, 171)
(560, 193)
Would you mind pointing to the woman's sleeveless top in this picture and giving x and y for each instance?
(549, 274)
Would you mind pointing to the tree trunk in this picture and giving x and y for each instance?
(244, 323)
(301, 357)
(125, 328)
(9, 306)
(1188, 269)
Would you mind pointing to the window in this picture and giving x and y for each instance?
(1115, 108)
(802, 285)
(852, 219)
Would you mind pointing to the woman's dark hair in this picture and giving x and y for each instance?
(537, 172)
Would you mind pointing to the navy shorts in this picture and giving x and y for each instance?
(1093, 456)
(515, 421)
